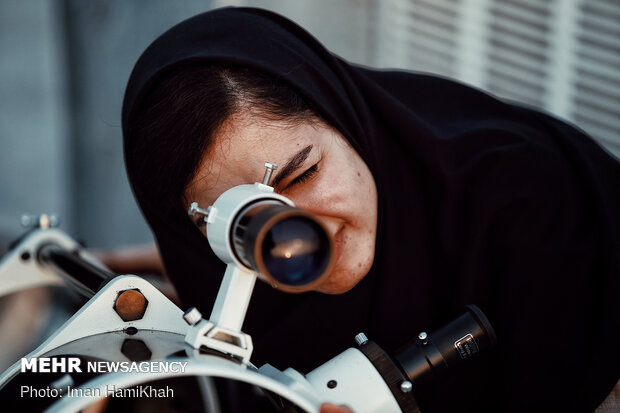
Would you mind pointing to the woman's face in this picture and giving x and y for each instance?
(317, 169)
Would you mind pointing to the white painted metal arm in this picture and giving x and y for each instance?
(233, 298)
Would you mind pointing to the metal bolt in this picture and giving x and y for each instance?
(54, 221)
(361, 339)
(270, 168)
(406, 386)
(25, 220)
(192, 316)
(130, 305)
(423, 337)
(194, 209)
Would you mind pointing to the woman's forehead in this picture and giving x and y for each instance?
(241, 147)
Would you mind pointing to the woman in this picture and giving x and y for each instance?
(438, 195)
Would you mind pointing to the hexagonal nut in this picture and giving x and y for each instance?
(130, 305)
(136, 350)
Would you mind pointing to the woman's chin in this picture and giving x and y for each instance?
(339, 282)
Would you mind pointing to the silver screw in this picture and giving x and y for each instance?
(406, 386)
(192, 316)
(423, 337)
(26, 220)
(361, 339)
(54, 221)
(194, 209)
(270, 168)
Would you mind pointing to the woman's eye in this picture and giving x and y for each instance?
(309, 173)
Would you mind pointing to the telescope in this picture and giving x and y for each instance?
(259, 235)
(253, 229)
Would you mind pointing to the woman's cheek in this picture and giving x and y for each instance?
(304, 196)
(315, 195)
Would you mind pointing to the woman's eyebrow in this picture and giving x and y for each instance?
(292, 165)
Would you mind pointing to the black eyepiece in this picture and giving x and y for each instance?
(287, 245)
(431, 355)
(295, 251)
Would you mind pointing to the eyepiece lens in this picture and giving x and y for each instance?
(296, 251)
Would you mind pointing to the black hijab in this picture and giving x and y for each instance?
(480, 202)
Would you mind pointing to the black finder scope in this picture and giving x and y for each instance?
(431, 355)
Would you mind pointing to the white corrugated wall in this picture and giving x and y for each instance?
(562, 56)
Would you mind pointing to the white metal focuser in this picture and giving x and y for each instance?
(227, 207)
(223, 330)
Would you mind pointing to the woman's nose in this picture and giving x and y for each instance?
(331, 223)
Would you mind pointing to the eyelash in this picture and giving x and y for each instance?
(309, 173)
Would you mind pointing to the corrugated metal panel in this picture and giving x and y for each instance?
(518, 44)
(562, 56)
(597, 84)
(420, 35)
